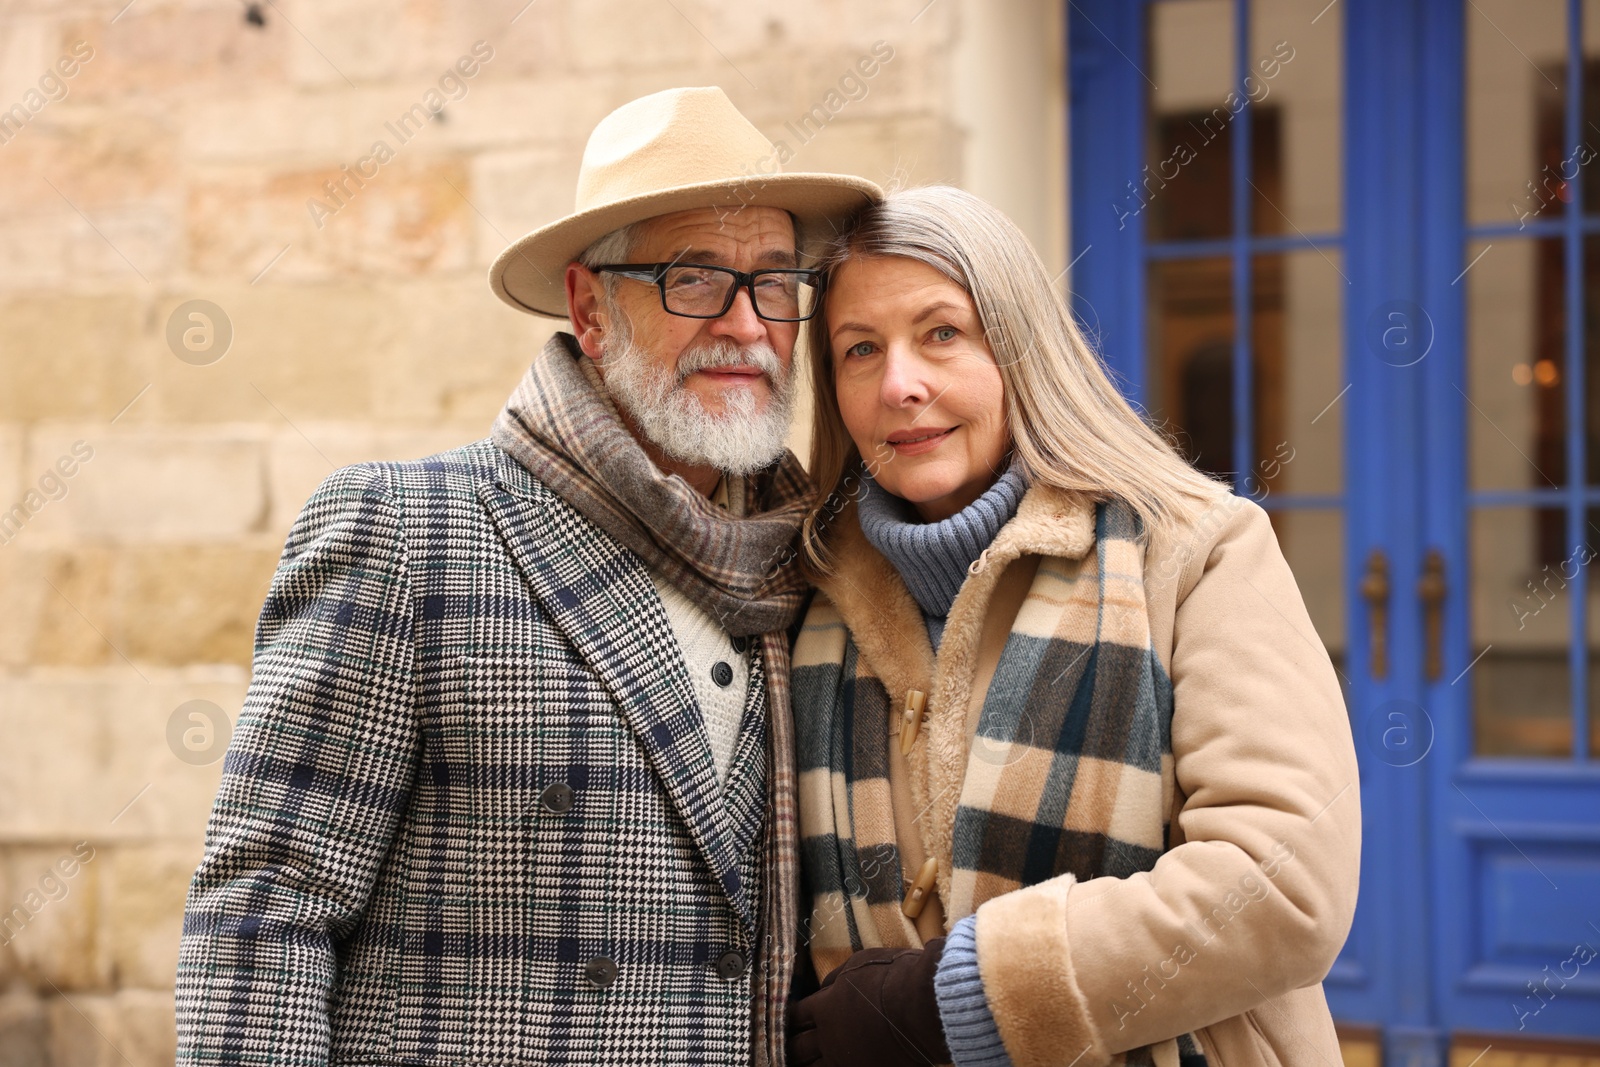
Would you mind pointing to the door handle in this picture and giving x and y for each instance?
(1375, 591)
(1431, 591)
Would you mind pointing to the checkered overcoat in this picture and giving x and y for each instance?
(469, 812)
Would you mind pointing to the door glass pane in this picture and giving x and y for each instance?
(1313, 543)
(1591, 358)
(1516, 79)
(1584, 156)
(1191, 358)
(1582, 560)
(1297, 92)
(1185, 185)
(1299, 379)
(1520, 625)
(1516, 420)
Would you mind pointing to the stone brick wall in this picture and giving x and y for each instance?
(146, 486)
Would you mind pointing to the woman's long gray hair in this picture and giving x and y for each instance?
(1069, 424)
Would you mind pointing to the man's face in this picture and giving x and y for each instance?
(707, 392)
(744, 239)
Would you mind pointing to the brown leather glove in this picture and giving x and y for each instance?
(877, 1009)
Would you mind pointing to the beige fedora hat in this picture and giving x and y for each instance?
(669, 151)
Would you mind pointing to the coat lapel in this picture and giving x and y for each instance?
(600, 597)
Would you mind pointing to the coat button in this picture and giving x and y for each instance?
(730, 964)
(557, 798)
(600, 972)
(722, 674)
(739, 644)
(921, 889)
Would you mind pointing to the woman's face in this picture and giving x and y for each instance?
(918, 388)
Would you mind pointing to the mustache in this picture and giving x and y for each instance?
(728, 354)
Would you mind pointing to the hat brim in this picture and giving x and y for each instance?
(530, 274)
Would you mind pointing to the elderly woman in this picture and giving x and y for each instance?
(1077, 784)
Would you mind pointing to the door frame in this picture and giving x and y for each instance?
(1510, 806)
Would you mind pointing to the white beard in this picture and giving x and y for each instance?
(740, 440)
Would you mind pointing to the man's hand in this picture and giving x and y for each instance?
(875, 1010)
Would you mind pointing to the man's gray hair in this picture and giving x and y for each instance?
(614, 247)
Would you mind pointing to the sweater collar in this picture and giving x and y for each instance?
(933, 557)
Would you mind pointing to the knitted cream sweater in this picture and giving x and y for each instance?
(718, 669)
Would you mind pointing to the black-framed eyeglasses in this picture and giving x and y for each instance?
(701, 291)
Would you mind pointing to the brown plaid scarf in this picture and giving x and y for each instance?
(736, 563)
(1070, 769)
(739, 564)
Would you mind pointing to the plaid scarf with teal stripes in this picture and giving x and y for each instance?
(1069, 770)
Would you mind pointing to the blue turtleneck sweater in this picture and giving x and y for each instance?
(933, 557)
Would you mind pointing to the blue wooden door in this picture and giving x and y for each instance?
(1512, 444)
(1341, 251)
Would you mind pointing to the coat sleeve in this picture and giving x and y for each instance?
(1259, 897)
(315, 781)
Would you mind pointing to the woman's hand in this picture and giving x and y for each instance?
(875, 1010)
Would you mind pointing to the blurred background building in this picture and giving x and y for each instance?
(1342, 251)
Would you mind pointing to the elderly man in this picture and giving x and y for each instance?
(513, 780)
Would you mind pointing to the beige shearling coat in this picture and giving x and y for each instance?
(1232, 931)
